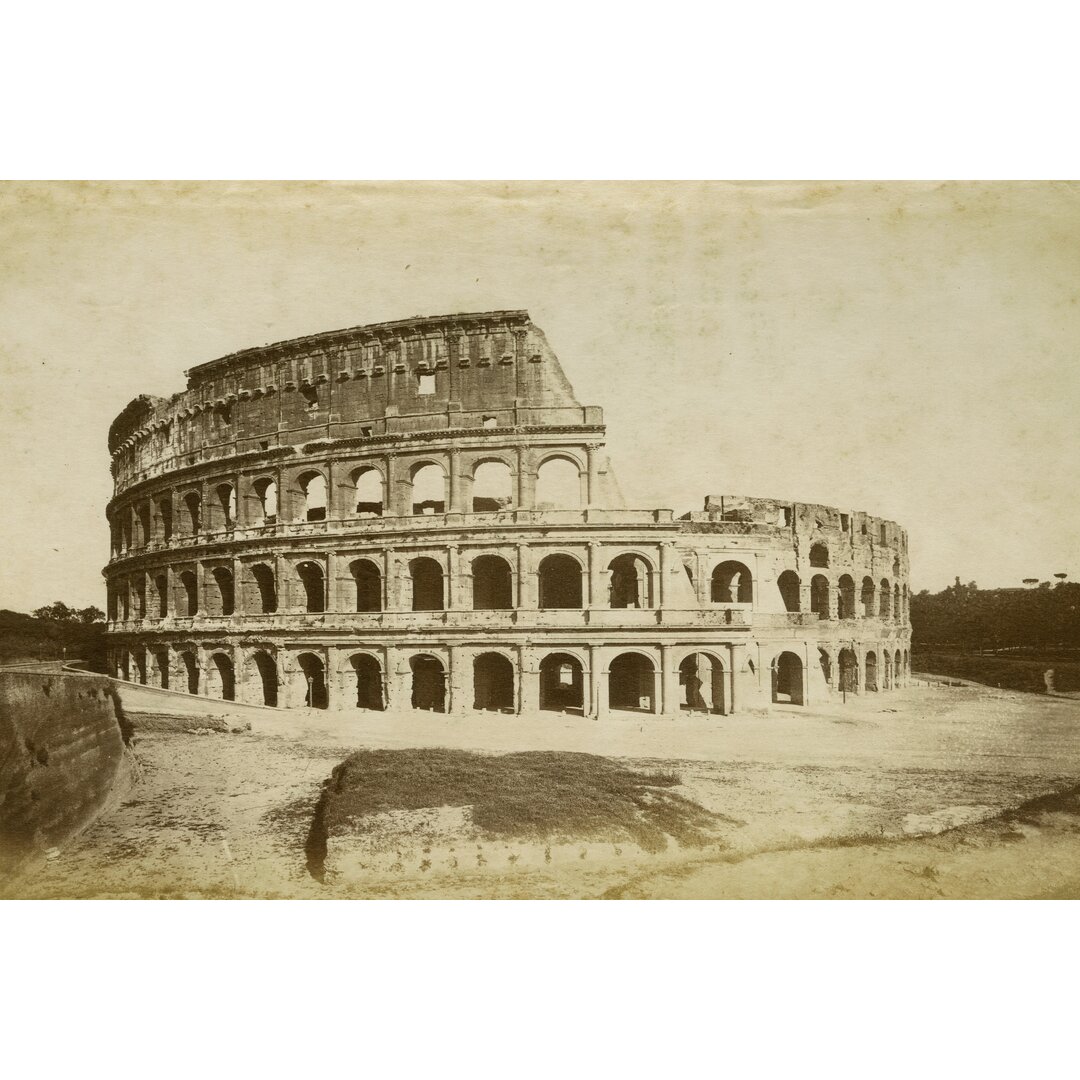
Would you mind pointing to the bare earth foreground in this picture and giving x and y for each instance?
(927, 792)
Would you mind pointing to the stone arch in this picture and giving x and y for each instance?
(426, 575)
(886, 596)
(871, 681)
(492, 486)
(731, 583)
(896, 611)
(492, 583)
(562, 683)
(632, 682)
(263, 575)
(368, 498)
(310, 681)
(190, 668)
(868, 597)
(559, 578)
(428, 682)
(313, 485)
(161, 587)
(427, 488)
(819, 555)
(825, 663)
(631, 581)
(367, 675)
(220, 677)
(493, 682)
(190, 584)
(266, 491)
(225, 596)
(787, 679)
(702, 681)
(367, 578)
(898, 668)
(847, 664)
(819, 596)
(193, 511)
(313, 578)
(790, 590)
(264, 675)
(558, 482)
(845, 597)
(225, 507)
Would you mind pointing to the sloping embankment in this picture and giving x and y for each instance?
(63, 759)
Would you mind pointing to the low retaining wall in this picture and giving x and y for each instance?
(63, 759)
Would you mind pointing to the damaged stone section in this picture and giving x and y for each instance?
(64, 760)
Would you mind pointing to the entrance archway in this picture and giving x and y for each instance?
(367, 672)
(428, 683)
(493, 683)
(491, 583)
(220, 679)
(313, 673)
(788, 679)
(632, 683)
(560, 581)
(701, 684)
(562, 684)
(871, 671)
(266, 673)
(848, 665)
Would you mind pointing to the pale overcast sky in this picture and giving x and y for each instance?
(905, 349)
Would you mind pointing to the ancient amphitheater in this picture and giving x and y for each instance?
(420, 514)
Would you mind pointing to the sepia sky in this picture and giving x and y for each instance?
(905, 349)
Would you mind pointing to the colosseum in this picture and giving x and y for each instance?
(421, 515)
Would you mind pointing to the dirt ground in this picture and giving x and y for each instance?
(896, 795)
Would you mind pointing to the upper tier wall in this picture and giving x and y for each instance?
(440, 373)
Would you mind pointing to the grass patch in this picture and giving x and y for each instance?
(536, 796)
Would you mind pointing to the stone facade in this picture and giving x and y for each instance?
(420, 514)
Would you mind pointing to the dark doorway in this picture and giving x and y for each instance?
(313, 672)
(266, 670)
(631, 683)
(560, 582)
(492, 588)
(428, 683)
(427, 585)
(369, 689)
(562, 684)
(788, 679)
(493, 683)
(701, 680)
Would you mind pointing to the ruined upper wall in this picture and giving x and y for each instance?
(446, 372)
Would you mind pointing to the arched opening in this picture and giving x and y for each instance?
(428, 489)
(491, 584)
(886, 596)
(789, 585)
(701, 683)
(369, 492)
(314, 581)
(191, 672)
(867, 597)
(632, 683)
(266, 490)
(140, 597)
(558, 485)
(907, 662)
(492, 487)
(125, 600)
(493, 683)
(264, 579)
(898, 668)
(368, 580)
(886, 671)
(313, 485)
(428, 683)
(848, 664)
(819, 595)
(123, 667)
(140, 667)
(126, 531)
(226, 497)
(143, 511)
(896, 602)
(562, 684)
(193, 507)
(871, 683)
(560, 581)
(631, 582)
(788, 679)
(266, 674)
(226, 596)
(220, 680)
(732, 584)
(427, 584)
(161, 587)
(367, 671)
(845, 600)
(313, 672)
(896, 566)
(819, 555)
(189, 583)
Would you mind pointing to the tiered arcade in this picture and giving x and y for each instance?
(420, 514)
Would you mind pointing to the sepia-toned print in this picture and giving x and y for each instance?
(452, 606)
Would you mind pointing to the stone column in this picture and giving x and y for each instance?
(595, 598)
(525, 597)
(701, 579)
(600, 682)
(388, 597)
(333, 600)
(281, 584)
(453, 588)
(237, 588)
(459, 682)
(394, 689)
(528, 681)
(669, 681)
(590, 684)
(200, 588)
(455, 506)
(526, 479)
(666, 553)
(593, 482)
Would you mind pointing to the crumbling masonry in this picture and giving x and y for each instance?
(420, 514)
